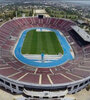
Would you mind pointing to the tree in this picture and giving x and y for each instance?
(30, 13)
(88, 88)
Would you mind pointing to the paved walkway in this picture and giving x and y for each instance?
(83, 95)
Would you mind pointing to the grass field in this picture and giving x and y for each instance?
(41, 42)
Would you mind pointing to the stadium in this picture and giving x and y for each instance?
(55, 67)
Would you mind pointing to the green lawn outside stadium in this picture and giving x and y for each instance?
(41, 42)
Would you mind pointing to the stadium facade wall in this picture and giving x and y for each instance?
(18, 87)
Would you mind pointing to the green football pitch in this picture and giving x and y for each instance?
(41, 42)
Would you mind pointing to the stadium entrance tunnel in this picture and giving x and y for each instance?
(45, 63)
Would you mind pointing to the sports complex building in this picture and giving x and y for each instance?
(42, 74)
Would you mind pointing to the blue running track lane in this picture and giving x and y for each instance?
(65, 45)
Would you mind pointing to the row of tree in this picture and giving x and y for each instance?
(14, 13)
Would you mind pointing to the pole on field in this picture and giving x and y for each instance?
(42, 57)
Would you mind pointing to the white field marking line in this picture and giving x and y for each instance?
(35, 70)
(13, 74)
(40, 79)
(51, 71)
(49, 79)
(81, 66)
(22, 77)
(46, 57)
(64, 68)
(3, 65)
(5, 68)
(66, 77)
(74, 75)
(83, 69)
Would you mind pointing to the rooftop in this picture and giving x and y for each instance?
(82, 33)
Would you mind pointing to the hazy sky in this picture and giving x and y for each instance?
(50, 0)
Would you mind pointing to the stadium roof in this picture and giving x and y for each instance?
(82, 33)
(81, 21)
